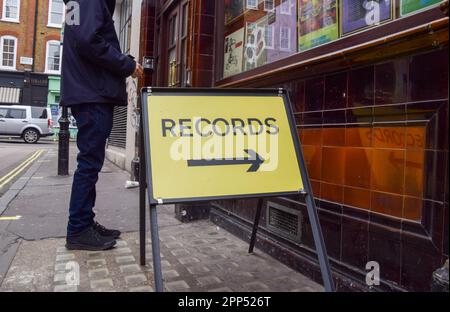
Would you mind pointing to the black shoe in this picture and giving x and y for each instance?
(89, 239)
(106, 232)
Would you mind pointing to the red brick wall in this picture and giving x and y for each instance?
(24, 32)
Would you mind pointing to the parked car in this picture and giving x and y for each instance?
(28, 122)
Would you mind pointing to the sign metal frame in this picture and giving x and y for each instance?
(145, 179)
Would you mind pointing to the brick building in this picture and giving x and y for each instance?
(30, 50)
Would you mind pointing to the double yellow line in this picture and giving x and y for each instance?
(16, 171)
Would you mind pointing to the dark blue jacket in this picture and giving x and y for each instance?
(93, 67)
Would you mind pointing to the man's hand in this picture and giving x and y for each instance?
(138, 72)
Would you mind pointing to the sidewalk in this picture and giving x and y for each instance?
(196, 256)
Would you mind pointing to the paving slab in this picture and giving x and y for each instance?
(45, 265)
(197, 256)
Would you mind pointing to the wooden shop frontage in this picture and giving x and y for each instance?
(368, 82)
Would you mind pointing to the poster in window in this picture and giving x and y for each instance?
(233, 8)
(234, 48)
(258, 38)
(357, 15)
(317, 23)
(284, 32)
(411, 6)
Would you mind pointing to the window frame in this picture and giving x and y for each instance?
(14, 67)
(49, 20)
(272, 36)
(267, 9)
(47, 70)
(125, 21)
(251, 7)
(289, 34)
(283, 5)
(9, 19)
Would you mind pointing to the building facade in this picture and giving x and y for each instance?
(121, 145)
(368, 82)
(30, 50)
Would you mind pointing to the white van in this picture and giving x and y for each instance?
(28, 122)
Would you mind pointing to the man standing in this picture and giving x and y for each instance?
(92, 83)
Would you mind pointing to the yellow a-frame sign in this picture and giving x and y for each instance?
(211, 144)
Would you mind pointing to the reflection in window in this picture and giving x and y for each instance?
(269, 36)
(271, 30)
(269, 5)
(286, 7)
(252, 4)
(356, 15)
(253, 37)
(285, 38)
(317, 23)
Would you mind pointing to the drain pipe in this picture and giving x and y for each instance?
(36, 15)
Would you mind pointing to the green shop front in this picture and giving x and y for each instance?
(54, 84)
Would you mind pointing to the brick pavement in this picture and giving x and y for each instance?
(195, 257)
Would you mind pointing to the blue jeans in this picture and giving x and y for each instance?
(94, 122)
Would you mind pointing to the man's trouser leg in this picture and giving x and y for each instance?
(94, 122)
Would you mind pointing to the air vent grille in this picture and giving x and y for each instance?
(284, 221)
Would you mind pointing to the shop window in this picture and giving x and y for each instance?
(408, 7)
(11, 11)
(358, 15)
(175, 48)
(259, 32)
(173, 31)
(125, 25)
(184, 44)
(318, 23)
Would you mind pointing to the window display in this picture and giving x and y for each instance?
(410, 6)
(268, 30)
(358, 15)
(233, 8)
(234, 47)
(260, 32)
(317, 23)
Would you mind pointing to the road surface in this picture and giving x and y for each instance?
(15, 157)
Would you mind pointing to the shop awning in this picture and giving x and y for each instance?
(9, 95)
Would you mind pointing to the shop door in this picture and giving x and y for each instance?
(176, 46)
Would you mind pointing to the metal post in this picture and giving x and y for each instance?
(142, 189)
(63, 144)
(156, 249)
(255, 225)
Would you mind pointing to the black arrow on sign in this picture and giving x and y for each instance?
(254, 160)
